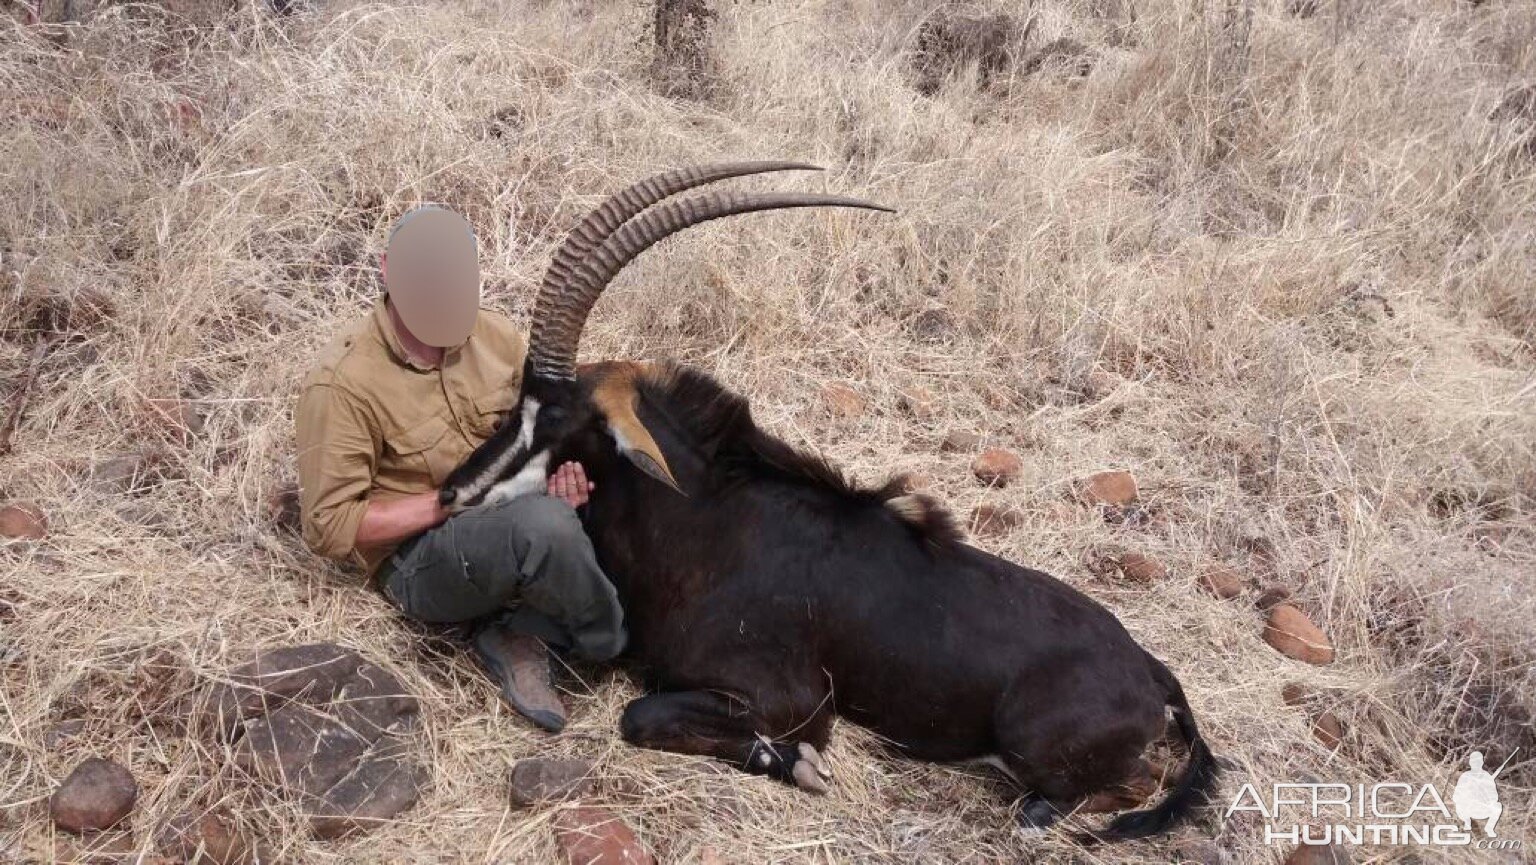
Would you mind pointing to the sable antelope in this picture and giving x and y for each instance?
(767, 593)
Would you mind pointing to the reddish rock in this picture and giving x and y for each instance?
(96, 795)
(994, 519)
(1116, 488)
(590, 835)
(1295, 694)
(1316, 854)
(1292, 634)
(996, 466)
(960, 441)
(917, 401)
(542, 779)
(205, 838)
(18, 521)
(1221, 581)
(1327, 730)
(1271, 597)
(1142, 568)
(842, 400)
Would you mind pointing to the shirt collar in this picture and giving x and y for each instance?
(386, 326)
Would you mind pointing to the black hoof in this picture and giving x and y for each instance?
(1036, 814)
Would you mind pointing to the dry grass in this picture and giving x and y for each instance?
(1305, 245)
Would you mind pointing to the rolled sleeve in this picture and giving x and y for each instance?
(338, 455)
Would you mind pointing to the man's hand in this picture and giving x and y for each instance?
(569, 484)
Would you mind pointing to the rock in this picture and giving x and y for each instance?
(1101, 383)
(1317, 854)
(1295, 694)
(96, 795)
(205, 838)
(590, 835)
(326, 728)
(542, 779)
(23, 521)
(283, 508)
(1327, 730)
(993, 519)
(959, 441)
(177, 418)
(842, 400)
(1067, 56)
(1292, 634)
(1271, 597)
(124, 473)
(1116, 488)
(1141, 567)
(1221, 581)
(996, 466)
(315, 674)
(1197, 851)
(63, 731)
(376, 791)
(917, 401)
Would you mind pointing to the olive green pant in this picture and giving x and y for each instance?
(525, 565)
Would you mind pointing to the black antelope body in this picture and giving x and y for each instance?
(767, 594)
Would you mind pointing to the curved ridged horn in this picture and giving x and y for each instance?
(559, 318)
(597, 226)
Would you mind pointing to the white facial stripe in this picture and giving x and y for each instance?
(505, 458)
(530, 479)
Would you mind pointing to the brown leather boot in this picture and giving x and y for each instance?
(520, 664)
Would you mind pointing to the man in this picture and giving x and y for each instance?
(395, 403)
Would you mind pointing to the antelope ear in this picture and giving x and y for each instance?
(615, 396)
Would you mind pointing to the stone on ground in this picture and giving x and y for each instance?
(959, 441)
(1141, 567)
(1115, 488)
(1198, 851)
(1317, 854)
(96, 795)
(1292, 634)
(1222, 582)
(22, 521)
(325, 727)
(542, 779)
(996, 466)
(199, 837)
(589, 835)
(994, 519)
(1327, 729)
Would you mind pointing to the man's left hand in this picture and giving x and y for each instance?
(569, 484)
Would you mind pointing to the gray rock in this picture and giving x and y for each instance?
(96, 795)
(542, 779)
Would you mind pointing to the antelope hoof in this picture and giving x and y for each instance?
(808, 779)
(809, 754)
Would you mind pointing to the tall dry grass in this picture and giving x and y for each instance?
(1298, 245)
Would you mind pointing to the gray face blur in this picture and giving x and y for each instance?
(432, 273)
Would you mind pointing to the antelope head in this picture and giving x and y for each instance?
(553, 404)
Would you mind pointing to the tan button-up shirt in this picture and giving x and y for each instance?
(374, 426)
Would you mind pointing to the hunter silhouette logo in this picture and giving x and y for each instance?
(1476, 797)
(1389, 812)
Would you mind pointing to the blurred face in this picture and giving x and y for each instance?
(432, 275)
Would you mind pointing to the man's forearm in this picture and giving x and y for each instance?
(393, 521)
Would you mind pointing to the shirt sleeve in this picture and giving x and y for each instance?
(338, 455)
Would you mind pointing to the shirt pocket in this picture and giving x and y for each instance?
(420, 458)
(491, 410)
